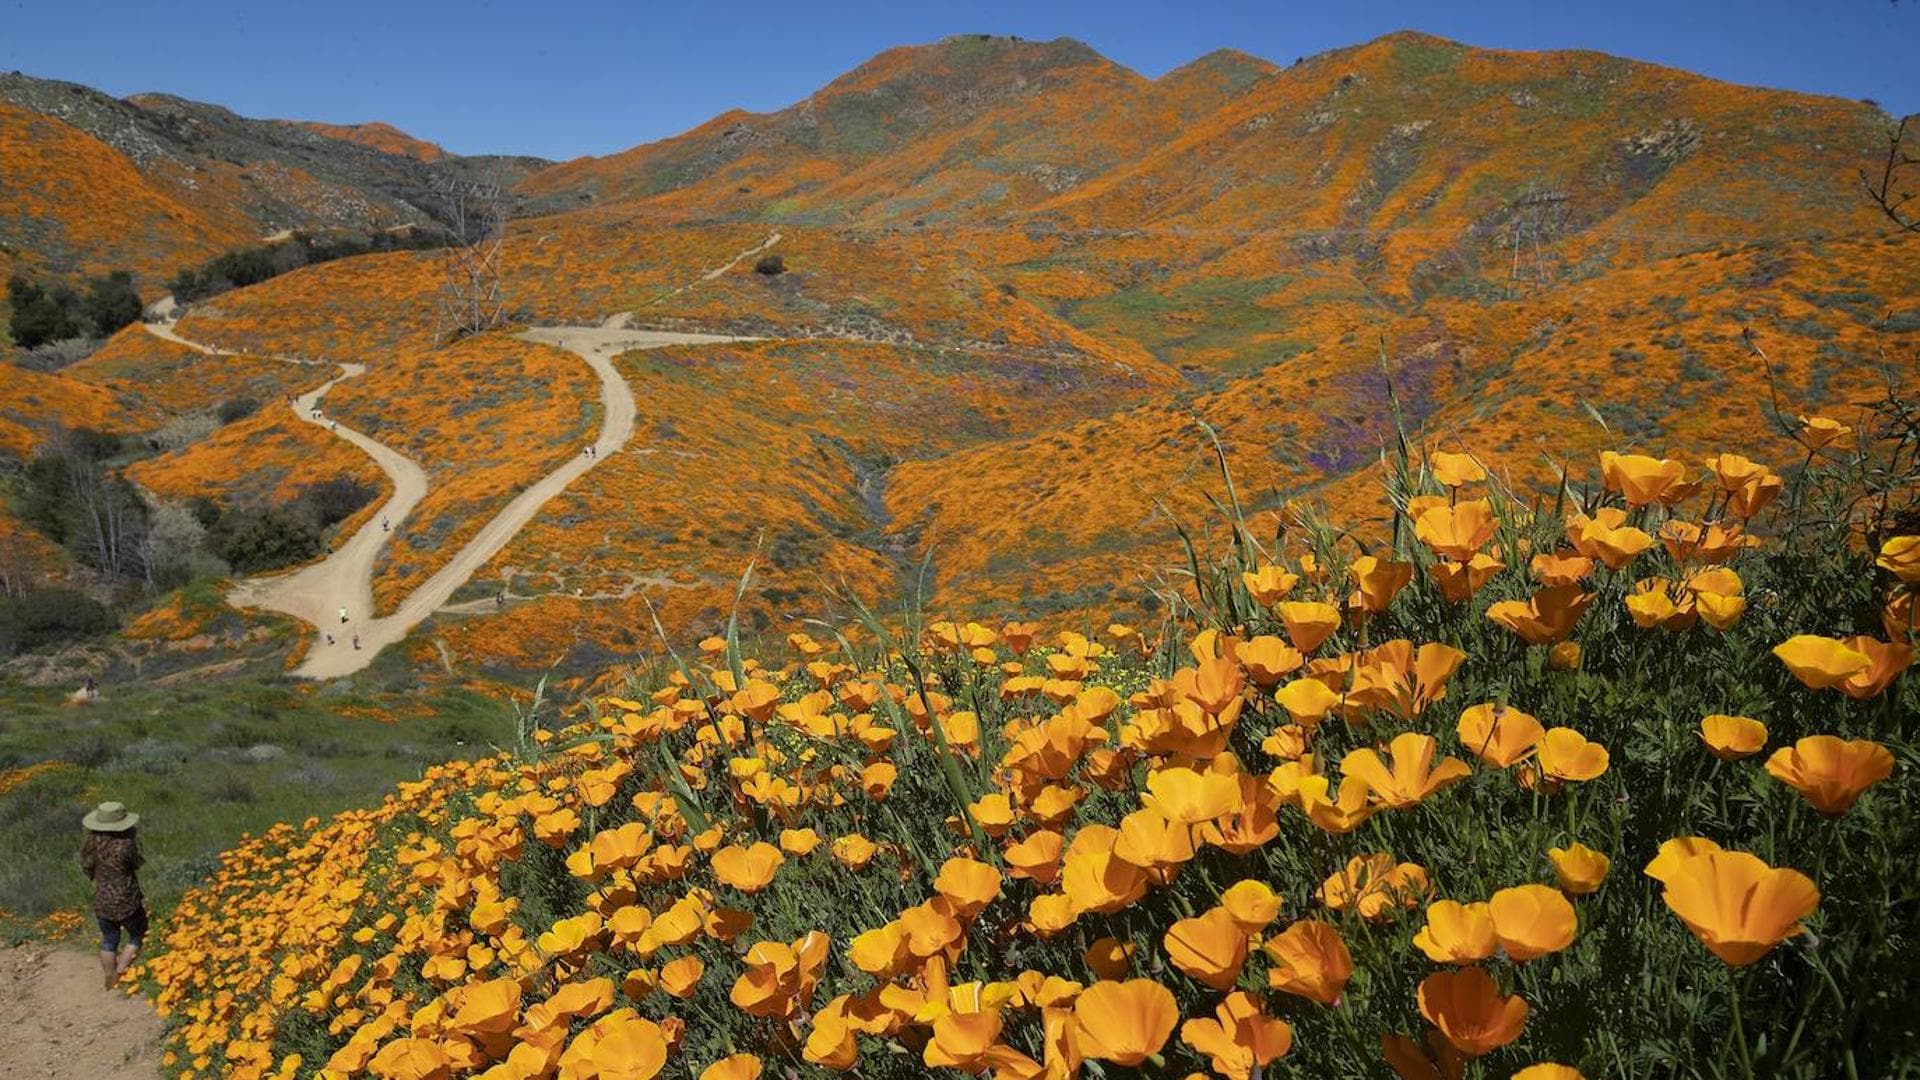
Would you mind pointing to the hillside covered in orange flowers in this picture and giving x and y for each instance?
(1014, 279)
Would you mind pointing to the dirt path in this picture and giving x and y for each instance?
(59, 1022)
(316, 593)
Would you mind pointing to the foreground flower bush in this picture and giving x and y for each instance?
(1616, 785)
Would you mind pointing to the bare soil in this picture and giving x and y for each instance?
(60, 1022)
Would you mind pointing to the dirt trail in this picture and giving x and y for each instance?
(60, 1023)
(316, 593)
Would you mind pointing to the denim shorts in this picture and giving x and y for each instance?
(135, 926)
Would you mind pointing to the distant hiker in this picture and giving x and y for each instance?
(343, 615)
(356, 643)
(329, 639)
(500, 598)
(333, 425)
(90, 689)
(110, 856)
(383, 524)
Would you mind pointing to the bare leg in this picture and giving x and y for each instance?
(108, 969)
(128, 954)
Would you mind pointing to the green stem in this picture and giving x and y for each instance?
(1739, 1033)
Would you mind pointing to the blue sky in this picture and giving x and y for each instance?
(562, 79)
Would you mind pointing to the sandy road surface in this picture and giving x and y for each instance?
(60, 1023)
(344, 579)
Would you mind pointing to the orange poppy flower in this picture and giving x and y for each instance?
(1211, 949)
(1641, 479)
(1498, 735)
(1309, 623)
(799, 842)
(1830, 772)
(1253, 904)
(1579, 869)
(1731, 738)
(1151, 842)
(733, 1067)
(1413, 777)
(748, 869)
(1309, 960)
(1124, 1022)
(1268, 660)
(1900, 556)
(1454, 470)
(1548, 1070)
(1440, 1061)
(1556, 569)
(1049, 914)
(1607, 537)
(1885, 662)
(1470, 1011)
(1544, 618)
(961, 1040)
(1308, 701)
(1240, 1037)
(1457, 532)
(1673, 853)
(1376, 581)
(1819, 432)
(1737, 905)
(1337, 812)
(1532, 921)
(1821, 662)
(1566, 755)
(854, 851)
(880, 952)
(1189, 797)
(1269, 584)
(1373, 885)
(679, 977)
(1101, 881)
(1457, 933)
(1459, 581)
(968, 883)
(1037, 858)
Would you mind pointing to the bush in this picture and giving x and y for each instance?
(254, 540)
(56, 355)
(770, 265)
(40, 315)
(111, 303)
(39, 618)
(250, 266)
(57, 313)
(330, 502)
(236, 409)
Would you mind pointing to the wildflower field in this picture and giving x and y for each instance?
(1611, 780)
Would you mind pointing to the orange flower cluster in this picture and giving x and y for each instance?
(986, 849)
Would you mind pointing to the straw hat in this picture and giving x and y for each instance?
(110, 817)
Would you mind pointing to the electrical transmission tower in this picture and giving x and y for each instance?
(1536, 219)
(470, 298)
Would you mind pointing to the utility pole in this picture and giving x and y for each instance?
(1534, 218)
(470, 298)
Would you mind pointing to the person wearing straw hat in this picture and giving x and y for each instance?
(110, 855)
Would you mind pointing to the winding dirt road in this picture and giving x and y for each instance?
(316, 593)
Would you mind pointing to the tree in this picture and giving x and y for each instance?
(1890, 191)
(173, 551)
(40, 315)
(41, 617)
(111, 303)
(264, 539)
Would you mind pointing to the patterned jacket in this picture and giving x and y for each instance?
(111, 862)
